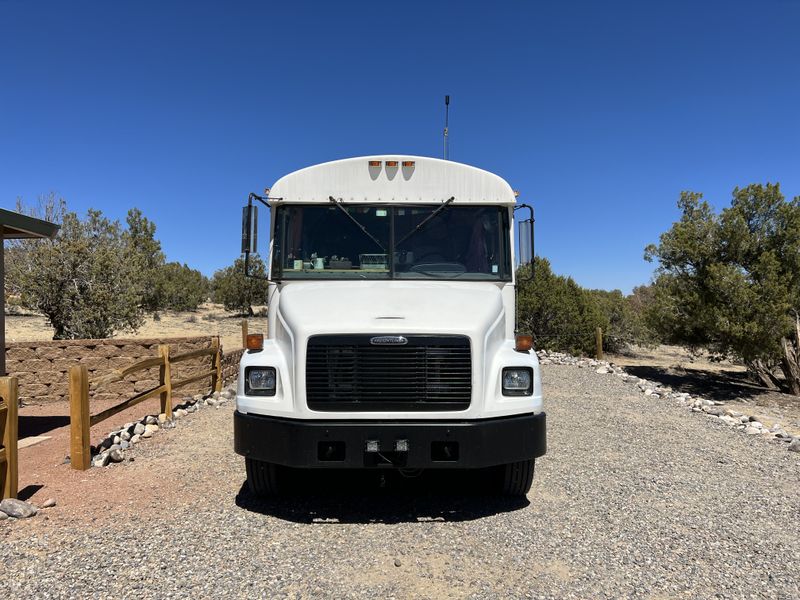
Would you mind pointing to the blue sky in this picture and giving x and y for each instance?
(599, 112)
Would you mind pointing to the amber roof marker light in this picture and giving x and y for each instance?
(375, 163)
(408, 163)
(391, 163)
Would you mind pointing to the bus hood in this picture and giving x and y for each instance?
(423, 307)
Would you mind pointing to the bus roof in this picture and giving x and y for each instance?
(392, 178)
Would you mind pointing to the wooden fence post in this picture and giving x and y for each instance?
(216, 378)
(79, 452)
(9, 478)
(598, 338)
(165, 379)
(244, 333)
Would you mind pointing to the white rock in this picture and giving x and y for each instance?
(147, 434)
(162, 417)
(795, 445)
(125, 436)
(151, 420)
(181, 412)
(648, 392)
(138, 429)
(602, 370)
(135, 439)
(115, 455)
(151, 427)
(752, 430)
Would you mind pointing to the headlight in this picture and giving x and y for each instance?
(517, 381)
(259, 381)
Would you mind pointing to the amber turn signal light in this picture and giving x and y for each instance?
(374, 163)
(391, 163)
(408, 163)
(255, 341)
(523, 343)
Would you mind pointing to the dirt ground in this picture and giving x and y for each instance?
(722, 381)
(209, 319)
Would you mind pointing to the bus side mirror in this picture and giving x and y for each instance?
(525, 237)
(525, 242)
(250, 229)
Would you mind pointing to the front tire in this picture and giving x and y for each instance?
(517, 478)
(262, 477)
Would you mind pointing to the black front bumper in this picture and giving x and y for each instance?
(343, 444)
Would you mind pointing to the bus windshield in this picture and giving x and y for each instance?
(360, 241)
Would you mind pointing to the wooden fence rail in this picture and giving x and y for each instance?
(9, 399)
(81, 419)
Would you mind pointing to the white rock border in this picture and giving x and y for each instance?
(113, 449)
(747, 424)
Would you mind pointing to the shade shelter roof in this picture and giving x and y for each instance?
(14, 226)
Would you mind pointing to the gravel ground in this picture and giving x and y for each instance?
(636, 498)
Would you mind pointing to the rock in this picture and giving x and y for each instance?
(181, 412)
(793, 447)
(114, 447)
(211, 402)
(49, 503)
(229, 393)
(124, 445)
(115, 455)
(124, 437)
(728, 419)
(138, 429)
(117, 439)
(3, 516)
(17, 508)
(602, 370)
(655, 396)
(168, 425)
(135, 439)
(151, 420)
(752, 430)
(744, 419)
(101, 460)
(397, 562)
(215, 395)
(147, 434)
(152, 427)
(191, 408)
(162, 417)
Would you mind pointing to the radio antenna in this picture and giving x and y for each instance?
(446, 123)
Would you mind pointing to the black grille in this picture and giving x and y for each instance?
(349, 373)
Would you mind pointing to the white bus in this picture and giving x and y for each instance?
(391, 326)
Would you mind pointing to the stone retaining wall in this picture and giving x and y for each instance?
(42, 368)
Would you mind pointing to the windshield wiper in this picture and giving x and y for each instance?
(424, 222)
(338, 204)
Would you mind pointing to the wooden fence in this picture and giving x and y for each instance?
(8, 425)
(81, 419)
